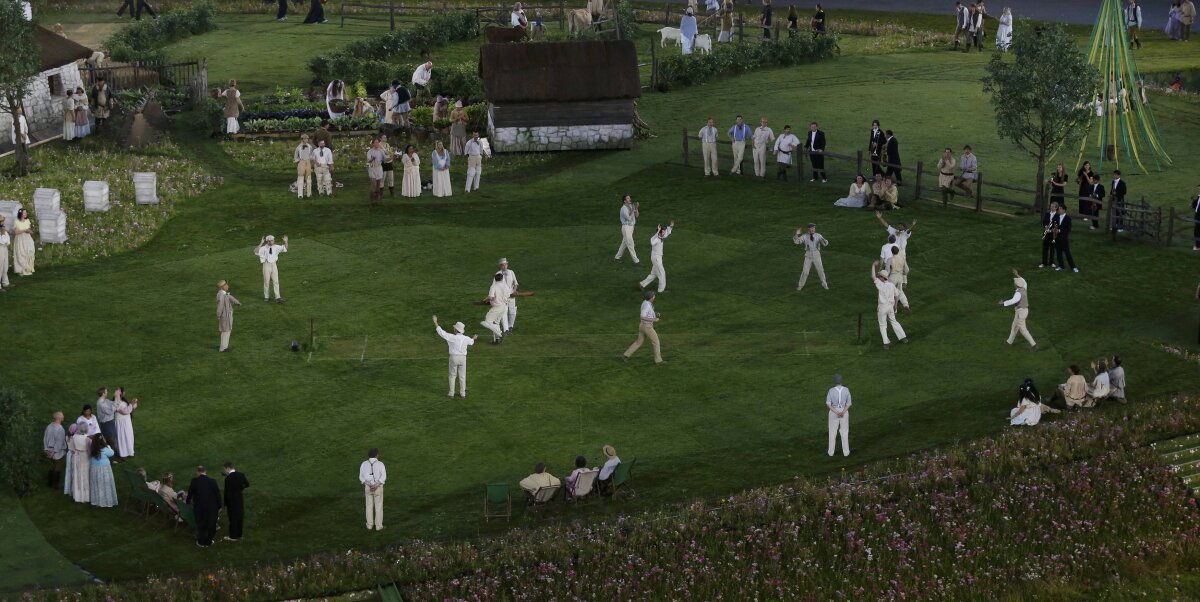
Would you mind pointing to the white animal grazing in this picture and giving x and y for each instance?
(670, 33)
(578, 20)
(704, 43)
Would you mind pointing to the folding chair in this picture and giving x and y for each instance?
(621, 478)
(388, 592)
(585, 485)
(497, 502)
(542, 496)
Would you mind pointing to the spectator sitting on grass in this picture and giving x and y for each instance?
(1099, 389)
(1075, 391)
(1116, 379)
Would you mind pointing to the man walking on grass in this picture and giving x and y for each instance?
(1021, 299)
(629, 215)
(646, 320)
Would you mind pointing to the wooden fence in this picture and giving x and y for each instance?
(192, 74)
(1188, 227)
(357, 12)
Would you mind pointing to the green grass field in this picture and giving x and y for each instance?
(739, 405)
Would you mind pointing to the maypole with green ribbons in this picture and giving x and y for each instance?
(1124, 123)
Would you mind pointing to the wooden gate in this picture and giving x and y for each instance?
(1136, 219)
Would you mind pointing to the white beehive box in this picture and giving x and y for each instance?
(145, 188)
(8, 210)
(53, 228)
(95, 196)
(46, 203)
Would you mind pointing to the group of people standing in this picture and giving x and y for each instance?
(1180, 18)
(82, 453)
(381, 168)
(17, 247)
(969, 23)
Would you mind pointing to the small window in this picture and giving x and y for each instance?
(56, 85)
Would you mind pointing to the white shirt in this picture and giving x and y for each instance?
(647, 312)
(1100, 386)
(901, 237)
(885, 252)
(838, 399)
(93, 426)
(627, 218)
(763, 136)
(784, 145)
(1016, 298)
(304, 152)
(473, 148)
(5, 240)
(656, 243)
(270, 253)
(609, 467)
(708, 133)
(499, 294)
(457, 343)
(517, 18)
(421, 75)
(22, 131)
(372, 472)
(322, 156)
(887, 293)
(510, 280)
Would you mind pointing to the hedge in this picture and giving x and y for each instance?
(367, 60)
(143, 41)
(726, 60)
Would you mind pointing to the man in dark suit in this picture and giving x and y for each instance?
(1095, 201)
(205, 497)
(1049, 220)
(815, 143)
(876, 148)
(235, 484)
(1062, 239)
(891, 155)
(1196, 216)
(1117, 198)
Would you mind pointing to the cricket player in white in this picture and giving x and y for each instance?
(268, 253)
(509, 319)
(629, 215)
(457, 343)
(838, 401)
(812, 254)
(656, 264)
(498, 297)
(886, 308)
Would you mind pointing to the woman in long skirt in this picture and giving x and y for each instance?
(1174, 28)
(81, 471)
(441, 171)
(124, 423)
(104, 486)
(83, 125)
(1004, 31)
(458, 129)
(412, 172)
(316, 12)
(70, 457)
(68, 112)
(22, 244)
(375, 158)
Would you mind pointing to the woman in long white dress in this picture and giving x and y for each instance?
(83, 121)
(1004, 32)
(81, 467)
(104, 486)
(687, 31)
(22, 244)
(441, 171)
(1029, 409)
(124, 423)
(336, 90)
(859, 191)
(70, 457)
(411, 187)
(68, 113)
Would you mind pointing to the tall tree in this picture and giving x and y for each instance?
(1040, 89)
(18, 67)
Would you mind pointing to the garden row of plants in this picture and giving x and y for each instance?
(677, 70)
(144, 41)
(370, 59)
(1072, 500)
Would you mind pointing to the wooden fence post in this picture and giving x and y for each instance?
(978, 191)
(562, 15)
(859, 170)
(1171, 228)
(776, 30)
(392, 14)
(342, 13)
(667, 16)
(685, 144)
(917, 188)
(741, 27)
(653, 66)
(1108, 220)
(800, 154)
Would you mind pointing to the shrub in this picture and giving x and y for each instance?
(307, 124)
(143, 41)
(459, 82)
(366, 60)
(19, 442)
(733, 59)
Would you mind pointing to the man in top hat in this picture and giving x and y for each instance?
(812, 254)
(509, 319)
(837, 399)
(498, 297)
(268, 254)
(656, 264)
(885, 308)
(457, 343)
(303, 157)
(225, 303)
(1021, 299)
(646, 320)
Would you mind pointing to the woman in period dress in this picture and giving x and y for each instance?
(124, 423)
(103, 485)
(375, 158)
(441, 171)
(458, 129)
(441, 109)
(1029, 406)
(859, 191)
(1004, 31)
(726, 34)
(411, 187)
(316, 12)
(80, 447)
(1084, 178)
(22, 244)
(233, 107)
(83, 125)
(336, 90)
(1058, 185)
(68, 113)
(687, 31)
(70, 457)
(1174, 28)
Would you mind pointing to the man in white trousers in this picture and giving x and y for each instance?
(708, 148)
(473, 149)
(303, 158)
(268, 253)
(457, 344)
(509, 319)
(656, 263)
(323, 168)
(838, 401)
(1021, 299)
(498, 297)
(812, 254)
(897, 268)
(373, 474)
(629, 215)
(738, 134)
(763, 139)
(885, 308)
